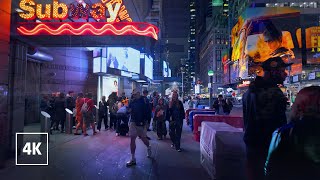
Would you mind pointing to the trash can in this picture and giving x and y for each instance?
(45, 124)
(69, 121)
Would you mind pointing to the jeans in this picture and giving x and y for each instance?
(175, 130)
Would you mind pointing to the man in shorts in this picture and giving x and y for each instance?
(137, 124)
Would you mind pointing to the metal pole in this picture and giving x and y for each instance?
(210, 91)
(182, 85)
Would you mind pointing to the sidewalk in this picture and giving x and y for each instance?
(104, 155)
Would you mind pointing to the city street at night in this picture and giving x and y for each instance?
(160, 89)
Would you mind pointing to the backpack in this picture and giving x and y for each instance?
(85, 107)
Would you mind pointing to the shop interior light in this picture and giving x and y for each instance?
(88, 28)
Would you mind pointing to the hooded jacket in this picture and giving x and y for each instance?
(264, 107)
(294, 151)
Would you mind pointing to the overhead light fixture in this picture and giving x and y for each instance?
(18, 10)
(141, 81)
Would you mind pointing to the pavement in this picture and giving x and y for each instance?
(104, 156)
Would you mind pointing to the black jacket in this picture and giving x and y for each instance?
(103, 108)
(176, 113)
(264, 107)
(294, 151)
(138, 111)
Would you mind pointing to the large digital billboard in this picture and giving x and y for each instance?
(148, 66)
(262, 33)
(124, 58)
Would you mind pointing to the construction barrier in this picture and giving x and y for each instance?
(234, 121)
(194, 112)
(192, 109)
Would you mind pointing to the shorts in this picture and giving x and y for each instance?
(87, 118)
(135, 131)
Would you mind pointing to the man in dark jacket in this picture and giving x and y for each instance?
(264, 107)
(220, 106)
(137, 125)
(103, 113)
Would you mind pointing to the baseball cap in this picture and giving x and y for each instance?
(274, 63)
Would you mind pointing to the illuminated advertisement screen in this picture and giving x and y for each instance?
(165, 69)
(225, 66)
(99, 65)
(123, 58)
(262, 33)
(313, 44)
(109, 85)
(169, 72)
(148, 66)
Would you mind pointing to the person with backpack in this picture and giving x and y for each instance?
(87, 114)
(137, 125)
(294, 151)
(111, 102)
(122, 127)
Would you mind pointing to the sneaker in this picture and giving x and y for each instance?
(148, 138)
(149, 153)
(132, 162)
(95, 132)
(117, 134)
(76, 133)
(85, 134)
(179, 150)
(172, 145)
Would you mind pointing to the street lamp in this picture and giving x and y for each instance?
(210, 86)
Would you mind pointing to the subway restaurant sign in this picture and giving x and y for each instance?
(111, 18)
(108, 10)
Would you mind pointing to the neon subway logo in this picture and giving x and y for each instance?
(115, 8)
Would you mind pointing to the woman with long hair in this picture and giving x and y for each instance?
(160, 119)
(175, 115)
(294, 151)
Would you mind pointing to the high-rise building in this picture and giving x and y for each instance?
(213, 42)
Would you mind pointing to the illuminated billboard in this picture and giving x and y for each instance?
(99, 65)
(109, 85)
(148, 66)
(123, 58)
(262, 33)
(165, 69)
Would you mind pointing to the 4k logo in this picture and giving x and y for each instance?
(32, 149)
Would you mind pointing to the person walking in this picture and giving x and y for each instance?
(264, 107)
(111, 102)
(87, 114)
(79, 119)
(137, 125)
(160, 119)
(103, 113)
(175, 115)
(294, 151)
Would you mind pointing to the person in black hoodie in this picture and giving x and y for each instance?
(264, 107)
(175, 115)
